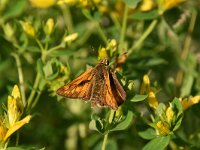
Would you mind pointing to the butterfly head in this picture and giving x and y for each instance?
(104, 61)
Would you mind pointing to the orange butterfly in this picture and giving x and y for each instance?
(99, 85)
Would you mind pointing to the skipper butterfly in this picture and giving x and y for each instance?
(99, 85)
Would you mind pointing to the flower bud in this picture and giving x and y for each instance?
(8, 31)
(103, 53)
(49, 27)
(70, 38)
(28, 28)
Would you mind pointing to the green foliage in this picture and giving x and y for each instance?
(157, 143)
(46, 45)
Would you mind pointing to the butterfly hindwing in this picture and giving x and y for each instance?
(117, 89)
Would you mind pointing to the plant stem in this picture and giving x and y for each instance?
(54, 48)
(186, 47)
(38, 95)
(123, 30)
(110, 119)
(104, 142)
(68, 19)
(21, 77)
(143, 37)
(17, 139)
(33, 92)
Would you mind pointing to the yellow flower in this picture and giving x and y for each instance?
(14, 112)
(188, 103)
(42, 3)
(147, 5)
(103, 53)
(49, 27)
(152, 100)
(17, 126)
(145, 87)
(15, 106)
(70, 38)
(28, 28)
(163, 128)
(167, 4)
(8, 31)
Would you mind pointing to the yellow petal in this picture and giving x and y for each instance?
(16, 95)
(17, 126)
(152, 100)
(15, 92)
(171, 3)
(188, 103)
(168, 4)
(13, 113)
(2, 130)
(163, 128)
(145, 87)
(147, 5)
(169, 114)
(42, 3)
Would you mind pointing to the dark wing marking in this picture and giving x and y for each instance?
(117, 89)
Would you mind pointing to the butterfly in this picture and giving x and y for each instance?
(99, 85)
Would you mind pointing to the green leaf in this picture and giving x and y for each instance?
(97, 124)
(125, 123)
(132, 3)
(15, 9)
(138, 98)
(177, 106)
(148, 134)
(48, 70)
(145, 15)
(158, 143)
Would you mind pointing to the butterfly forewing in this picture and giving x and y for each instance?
(98, 85)
(78, 87)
